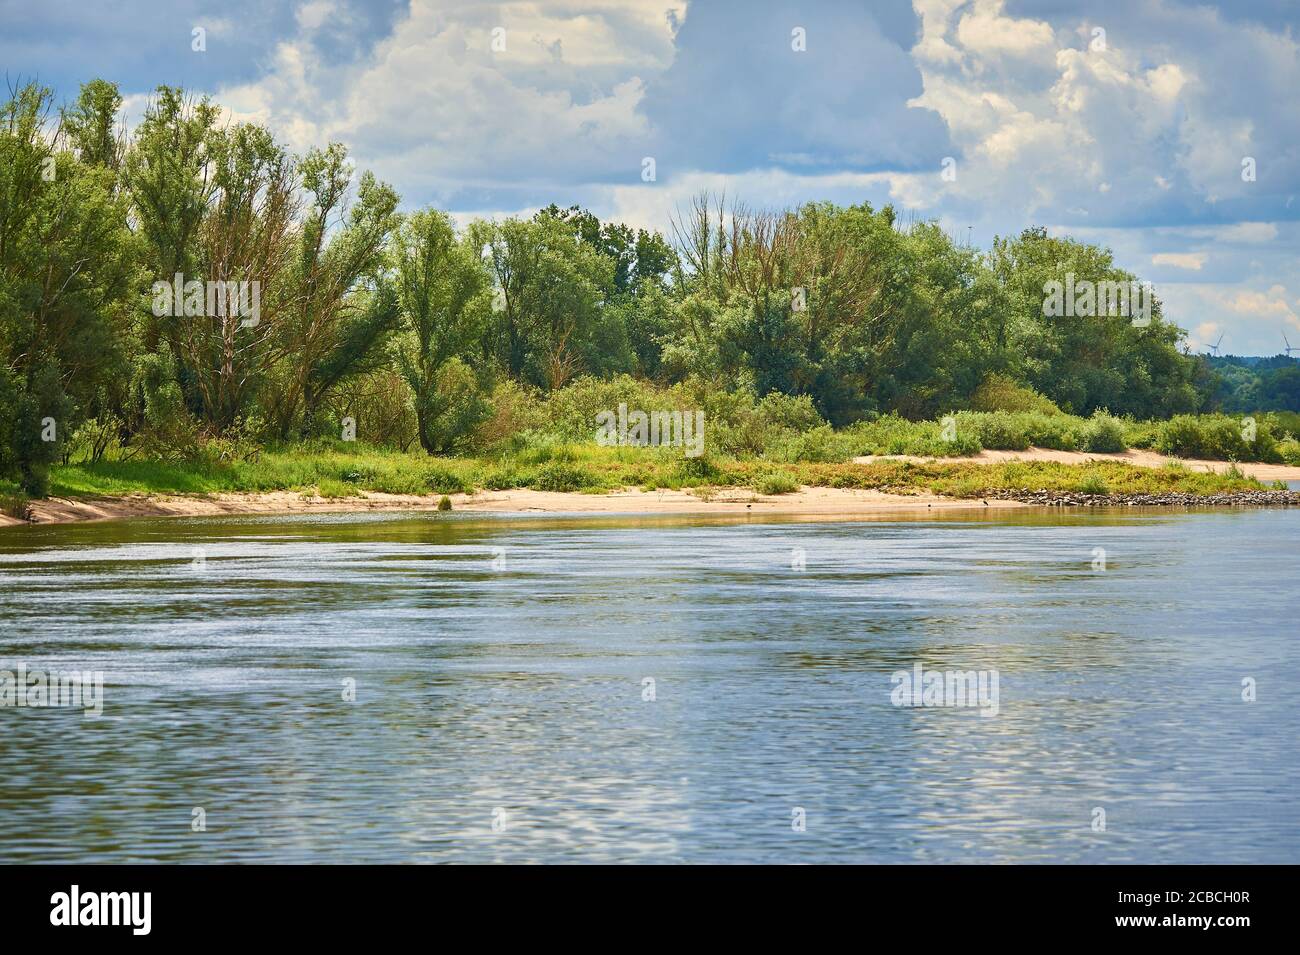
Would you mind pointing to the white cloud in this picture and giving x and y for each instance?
(434, 108)
(1180, 260)
(985, 32)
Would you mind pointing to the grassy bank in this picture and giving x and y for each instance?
(349, 469)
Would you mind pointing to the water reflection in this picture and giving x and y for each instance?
(518, 690)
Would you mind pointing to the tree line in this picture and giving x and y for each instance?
(361, 302)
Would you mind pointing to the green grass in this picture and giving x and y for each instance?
(13, 502)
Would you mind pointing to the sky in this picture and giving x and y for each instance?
(1167, 130)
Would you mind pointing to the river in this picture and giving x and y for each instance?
(455, 688)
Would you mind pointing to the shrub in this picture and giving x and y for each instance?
(15, 504)
(776, 418)
(1141, 434)
(891, 434)
(698, 469)
(775, 482)
(328, 488)
(570, 412)
(1061, 432)
(515, 408)
(560, 476)
(999, 430)
(1093, 483)
(1000, 393)
(453, 409)
(442, 480)
(381, 405)
(444, 503)
(819, 444)
(1104, 434)
(503, 478)
(93, 439)
(1219, 437)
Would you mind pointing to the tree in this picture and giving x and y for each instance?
(548, 321)
(67, 275)
(343, 306)
(437, 279)
(245, 236)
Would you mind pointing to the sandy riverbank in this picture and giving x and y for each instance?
(1142, 459)
(811, 501)
(807, 500)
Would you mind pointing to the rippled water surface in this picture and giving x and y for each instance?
(500, 670)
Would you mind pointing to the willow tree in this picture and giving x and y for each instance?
(341, 305)
(438, 277)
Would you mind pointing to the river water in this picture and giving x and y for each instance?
(453, 688)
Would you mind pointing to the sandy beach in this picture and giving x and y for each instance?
(807, 500)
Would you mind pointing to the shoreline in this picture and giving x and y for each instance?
(807, 501)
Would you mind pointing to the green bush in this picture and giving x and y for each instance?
(1218, 437)
(442, 480)
(775, 419)
(999, 430)
(891, 434)
(820, 444)
(504, 477)
(775, 482)
(560, 476)
(1060, 432)
(570, 412)
(1141, 434)
(1104, 434)
(1000, 393)
(697, 469)
(1093, 483)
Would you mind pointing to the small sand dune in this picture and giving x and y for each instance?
(1143, 459)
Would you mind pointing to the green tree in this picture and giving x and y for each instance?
(68, 273)
(437, 279)
(547, 319)
(341, 305)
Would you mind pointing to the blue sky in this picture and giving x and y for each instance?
(1133, 137)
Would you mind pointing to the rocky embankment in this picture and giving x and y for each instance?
(1167, 499)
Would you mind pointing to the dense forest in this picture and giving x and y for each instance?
(1242, 385)
(415, 329)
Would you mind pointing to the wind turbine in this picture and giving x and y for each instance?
(1214, 349)
(1289, 347)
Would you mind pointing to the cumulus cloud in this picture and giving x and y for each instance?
(740, 96)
